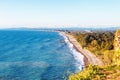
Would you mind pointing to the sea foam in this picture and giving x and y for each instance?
(77, 55)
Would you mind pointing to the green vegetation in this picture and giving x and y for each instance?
(110, 72)
(116, 57)
(102, 44)
(99, 43)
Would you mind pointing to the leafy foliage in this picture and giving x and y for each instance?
(94, 72)
(101, 41)
(116, 57)
(102, 45)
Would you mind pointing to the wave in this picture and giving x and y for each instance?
(77, 55)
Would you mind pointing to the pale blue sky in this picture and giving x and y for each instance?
(37, 13)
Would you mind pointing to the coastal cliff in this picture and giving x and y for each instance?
(117, 47)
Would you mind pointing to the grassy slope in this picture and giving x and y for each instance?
(101, 44)
(110, 72)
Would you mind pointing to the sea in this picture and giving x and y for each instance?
(37, 55)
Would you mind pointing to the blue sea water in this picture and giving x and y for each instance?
(37, 55)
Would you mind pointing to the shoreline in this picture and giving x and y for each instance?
(89, 58)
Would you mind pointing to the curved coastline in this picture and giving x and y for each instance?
(80, 63)
(89, 58)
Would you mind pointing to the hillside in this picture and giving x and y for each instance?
(106, 46)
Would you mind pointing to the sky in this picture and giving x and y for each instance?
(59, 13)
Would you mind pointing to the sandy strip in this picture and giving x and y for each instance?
(89, 57)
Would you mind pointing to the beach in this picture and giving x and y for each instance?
(89, 58)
